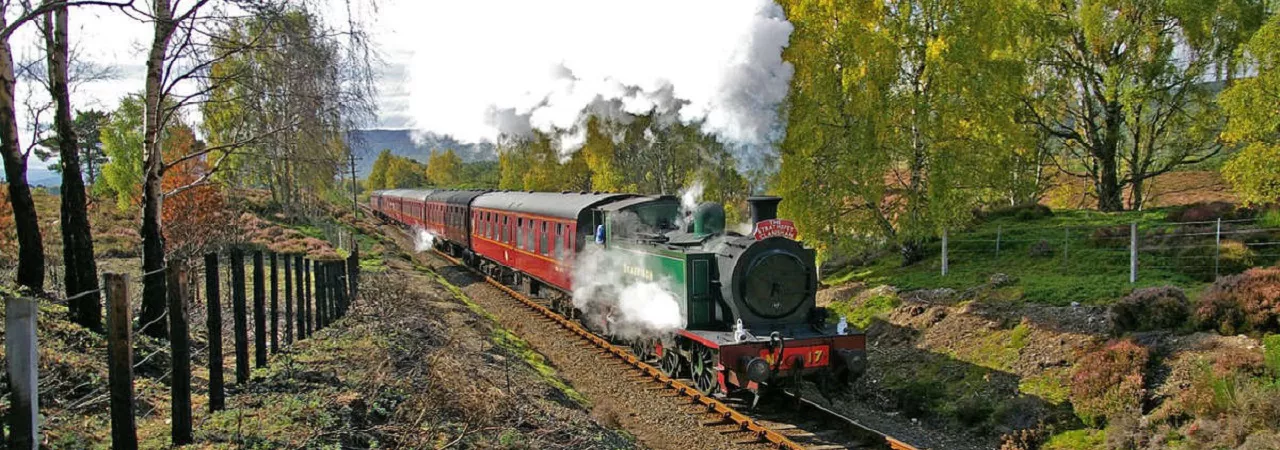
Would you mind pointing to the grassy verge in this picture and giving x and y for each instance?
(1071, 256)
(505, 339)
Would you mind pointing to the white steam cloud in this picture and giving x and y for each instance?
(423, 240)
(487, 67)
(624, 305)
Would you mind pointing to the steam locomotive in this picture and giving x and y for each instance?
(748, 301)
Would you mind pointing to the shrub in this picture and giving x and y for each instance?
(1248, 302)
(1202, 212)
(1150, 309)
(1041, 249)
(1108, 382)
(1022, 213)
(1233, 257)
(1110, 237)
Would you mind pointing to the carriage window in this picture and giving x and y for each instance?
(559, 241)
(519, 233)
(504, 229)
(542, 243)
(528, 236)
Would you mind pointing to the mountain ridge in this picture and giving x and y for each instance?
(367, 144)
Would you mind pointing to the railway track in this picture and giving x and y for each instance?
(774, 423)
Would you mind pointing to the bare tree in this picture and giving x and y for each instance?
(85, 306)
(189, 40)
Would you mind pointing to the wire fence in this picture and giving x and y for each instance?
(1197, 250)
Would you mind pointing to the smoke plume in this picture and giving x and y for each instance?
(490, 67)
(423, 240)
(627, 305)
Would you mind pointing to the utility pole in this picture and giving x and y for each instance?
(355, 202)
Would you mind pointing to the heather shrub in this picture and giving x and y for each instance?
(1248, 302)
(1022, 213)
(1108, 382)
(1111, 237)
(1202, 212)
(1041, 249)
(1150, 309)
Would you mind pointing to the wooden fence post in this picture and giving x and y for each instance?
(309, 266)
(259, 312)
(124, 430)
(22, 361)
(353, 273)
(275, 307)
(180, 350)
(344, 280)
(288, 300)
(339, 288)
(322, 294)
(213, 321)
(298, 266)
(310, 297)
(239, 310)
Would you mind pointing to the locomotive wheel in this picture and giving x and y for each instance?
(669, 362)
(703, 370)
(642, 348)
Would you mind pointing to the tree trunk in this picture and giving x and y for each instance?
(30, 247)
(1110, 197)
(912, 252)
(153, 259)
(77, 238)
(1136, 193)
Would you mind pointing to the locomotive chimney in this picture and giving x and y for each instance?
(763, 208)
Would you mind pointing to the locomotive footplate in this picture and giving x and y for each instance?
(749, 361)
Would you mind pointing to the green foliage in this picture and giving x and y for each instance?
(88, 141)
(1254, 172)
(480, 175)
(1269, 218)
(1271, 354)
(1077, 440)
(283, 99)
(896, 107)
(1121, 86)
(405, 173)
(535, 164)
(444, 169)
(122, 143)
(862, 314)
(1051, 385)
(1096, 272)
(378, 174)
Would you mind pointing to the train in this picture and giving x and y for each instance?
(748, 300)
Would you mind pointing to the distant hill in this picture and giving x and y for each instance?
(366, 144)
(45, 178)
